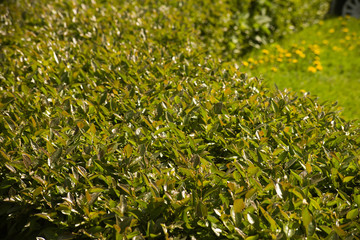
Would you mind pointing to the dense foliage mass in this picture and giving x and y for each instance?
(227, 28)
(116, 123)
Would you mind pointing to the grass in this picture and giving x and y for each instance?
(323, 60)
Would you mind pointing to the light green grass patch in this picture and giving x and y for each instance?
(323, 60)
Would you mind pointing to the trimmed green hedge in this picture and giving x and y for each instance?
(225, 29)
(117, 124)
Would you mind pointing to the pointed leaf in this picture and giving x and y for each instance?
(306, 218)
(278, 190)
(272, 222)
(352, 214)
(128, 150)
(239, 205)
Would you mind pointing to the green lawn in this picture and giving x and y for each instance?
(324, 60)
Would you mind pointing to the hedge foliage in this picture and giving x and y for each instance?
(116, 123)
(226, 29)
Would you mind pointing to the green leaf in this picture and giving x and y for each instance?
(252, 170)
(250, 193)
(246, 129)
(252, 237)
(95, 190)
(37, 191)
(250, 218)
(289, 230)
(352, 214)
(128, 150)
(216, 230)
(314, 204)
(278, 151)
(357, 199)
(347, 179)
(55, 156)
(311, 227)
(218, 107)
(306, 219)
(339, 231)
(11, 123)
(278, 190)
(326, 229)
(202, 210)
(239, 205)
(44, 216)
(92, 129)
(224, 200)
(272, 222)
(212, 219)
(297, 177)
(164, 129)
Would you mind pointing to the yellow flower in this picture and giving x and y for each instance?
(264, 51)
(300, 53)
(319, 67)
(294, 60)
(321, 23)
(250, 60)
(261, 61)
(332, 30)
(316, 51)
(347, 38)
(325, 42)
(274, 69)
(288, 55)
(280, 49)
(312, 69)
(317, 62)
(279, 59)
(345, 30)
(245, 63)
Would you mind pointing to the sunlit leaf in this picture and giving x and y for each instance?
(239, 205)
(128, 150)
(352, 214)
(306, 219)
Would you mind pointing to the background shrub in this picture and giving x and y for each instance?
(226, 29)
